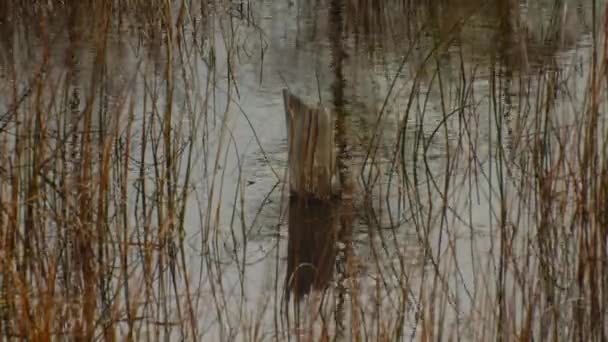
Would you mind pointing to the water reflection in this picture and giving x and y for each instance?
(311, 251)
(394, 55)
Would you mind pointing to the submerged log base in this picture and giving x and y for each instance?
(312, 155)
(311, 251)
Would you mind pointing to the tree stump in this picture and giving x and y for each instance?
(312, 155)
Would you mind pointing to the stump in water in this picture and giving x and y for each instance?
(311, 156)
(314, 184)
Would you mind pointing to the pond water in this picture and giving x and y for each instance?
(464, 125)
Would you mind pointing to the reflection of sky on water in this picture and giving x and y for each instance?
(289, 49)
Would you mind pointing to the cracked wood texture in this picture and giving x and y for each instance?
(312, 155)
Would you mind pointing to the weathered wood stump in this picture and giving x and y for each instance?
(312, 155)
(314, 186)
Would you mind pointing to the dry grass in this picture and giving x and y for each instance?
(481, 196)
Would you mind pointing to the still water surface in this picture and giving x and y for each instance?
(438, 107)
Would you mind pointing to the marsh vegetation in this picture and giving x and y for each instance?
(143, 171)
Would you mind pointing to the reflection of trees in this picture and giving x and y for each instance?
(543, 31)
(6, 34)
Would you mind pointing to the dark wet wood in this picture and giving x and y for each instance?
(311, 250)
